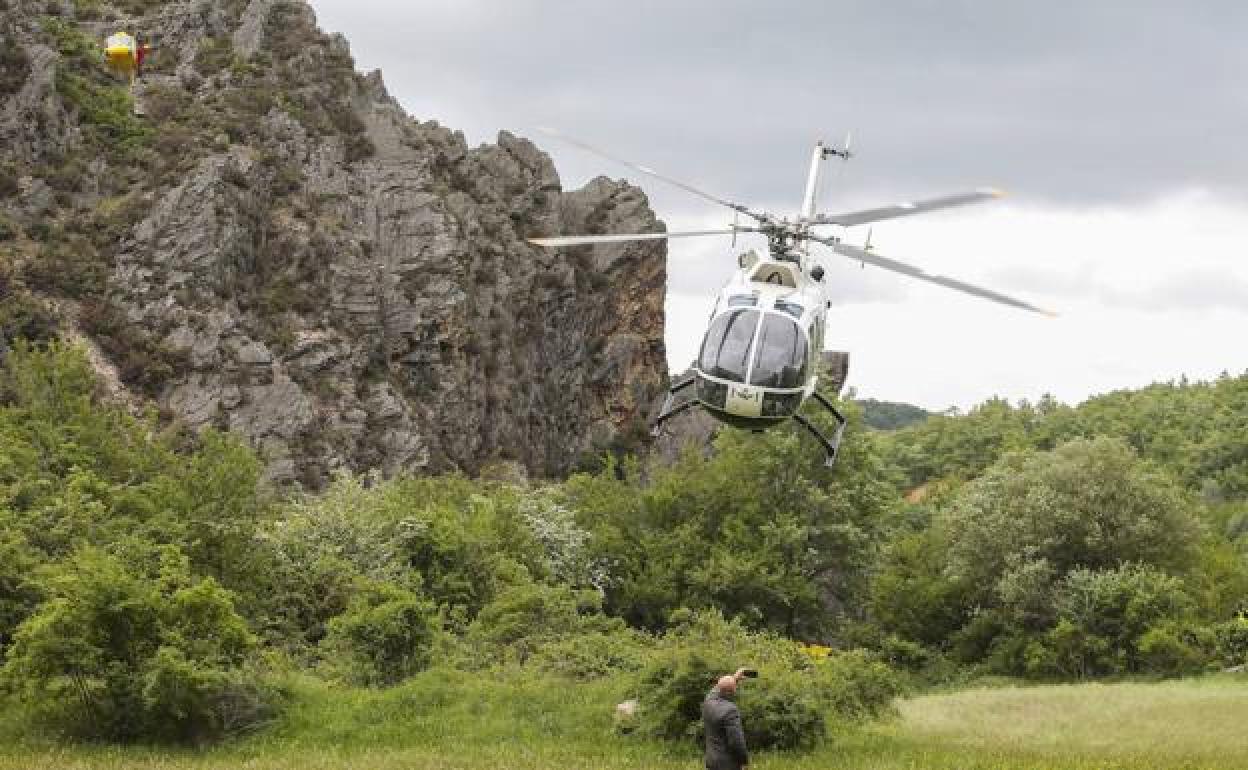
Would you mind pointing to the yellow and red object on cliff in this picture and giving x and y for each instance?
(124, 55)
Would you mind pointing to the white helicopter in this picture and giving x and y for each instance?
(757, 363)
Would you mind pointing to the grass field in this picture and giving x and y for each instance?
(462, 722)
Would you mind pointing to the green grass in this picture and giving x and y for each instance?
(461, 721)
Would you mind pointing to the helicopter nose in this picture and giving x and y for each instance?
(744, 401)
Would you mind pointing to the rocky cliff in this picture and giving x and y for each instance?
(273, 247)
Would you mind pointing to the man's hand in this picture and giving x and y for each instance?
(739, 676)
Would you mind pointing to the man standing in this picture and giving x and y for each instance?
(725, 739)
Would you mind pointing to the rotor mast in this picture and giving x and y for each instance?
(812, 181)
(822, 151)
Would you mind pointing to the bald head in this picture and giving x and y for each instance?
(727, 685)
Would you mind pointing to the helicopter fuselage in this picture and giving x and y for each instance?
(756, 366)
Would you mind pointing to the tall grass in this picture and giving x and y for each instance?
(464, 721)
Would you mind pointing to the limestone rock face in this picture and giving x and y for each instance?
(340, 284)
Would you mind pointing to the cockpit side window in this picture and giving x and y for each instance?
(780, 358)
(726, 348)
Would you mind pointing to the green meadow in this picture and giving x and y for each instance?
(472, 722)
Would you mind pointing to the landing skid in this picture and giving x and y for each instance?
(832, 446)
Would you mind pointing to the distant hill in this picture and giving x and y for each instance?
(891, 415)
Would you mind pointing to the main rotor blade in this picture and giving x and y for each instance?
(855, 253)
(906, 209)
(759, 215)
(578, 240)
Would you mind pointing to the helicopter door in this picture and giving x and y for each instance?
(726, 348)
(781, 355)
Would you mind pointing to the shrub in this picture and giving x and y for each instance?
(18, 595)
(14, 65)
(71, 267)
(854, 686)
(1231, 641)
(524, 616)
(129, 647)
(386, 634)
(23, 316)
(1131, 619)
(106, 110)
(594, 655)
(672, 691)
(214, 55)
(1172, 649)
(784, 711)
(785, 708)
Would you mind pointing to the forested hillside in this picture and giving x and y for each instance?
(153, 587)
(890, 415)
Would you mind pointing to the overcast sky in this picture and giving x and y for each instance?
(1117, 128)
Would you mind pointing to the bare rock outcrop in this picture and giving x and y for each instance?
(289, 256)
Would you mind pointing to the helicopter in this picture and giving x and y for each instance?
(758, 363)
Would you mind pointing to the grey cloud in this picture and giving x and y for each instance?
(1195, 290)
(1063, 101)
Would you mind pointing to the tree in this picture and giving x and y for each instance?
(130, 646)
(760, 529)
(1090, 503)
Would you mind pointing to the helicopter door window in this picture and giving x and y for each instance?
(780, 354)
(792, 308)
(726, 349)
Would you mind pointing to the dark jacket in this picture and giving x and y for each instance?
(725, 740)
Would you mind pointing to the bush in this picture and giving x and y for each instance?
(784, 711)
(18, 596)
(68, 266)
(672, 691)
(1174, 650)
(214, 55)
(524, 616)
(130, 647)
(785, 708)
(595, 655)
(1231, 641)
(14, 65)
(386, 634)
(22, 315)
(853, 686)
(1132, 619)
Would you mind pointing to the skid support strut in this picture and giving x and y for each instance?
(668, 411)
(830, 445)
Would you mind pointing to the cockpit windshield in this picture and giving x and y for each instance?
(776, 348)
(726, 349)
(779, 354)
